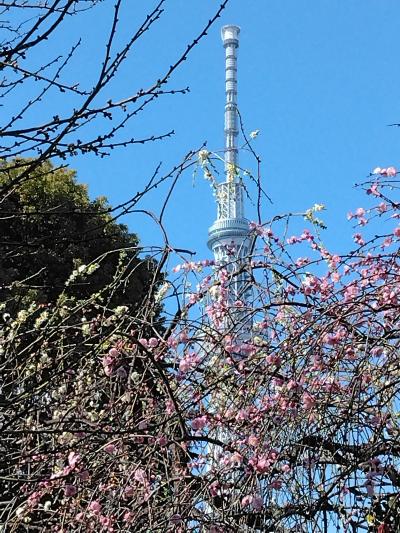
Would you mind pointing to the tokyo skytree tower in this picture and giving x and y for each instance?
(229, 236)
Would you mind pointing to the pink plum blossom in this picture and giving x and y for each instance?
(128, 517)
(199, 422)
(70, 490)
(95, 507)
(153, 342)
(308, 400)
(110, 448)
(73, 459)
(140, 476)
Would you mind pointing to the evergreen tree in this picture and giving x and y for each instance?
(51, 228)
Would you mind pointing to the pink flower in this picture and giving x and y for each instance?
(95, 507)
(331, 338)
(214, 488)
(129, 491)
(34, 498)
(107, 360)
(351, 292)
(236, 459)
(84, 476)
(169, 407)
(110, 448)
(113, 352)
(106, 522)
(140, 476)
(193, 298)
(273, 359)
(308, 401)
(183, 337)
(253, 226)
(397, 231)
(292, 385)
(253, 440)
(262, 465)
(162, 440)
(153, 342)
(246, 500)
(358, 239)
(391, 171)
(70, 490)
(275, 484)
(189, 362)
(172, 342)
(243, 414)
(257, 502)
(128, 517)
(176, 519)
(184, 365)
(373, 190)
(199, 422)
(73, 459)
(108, 370)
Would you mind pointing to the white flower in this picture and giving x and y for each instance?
(41, 318)
(92, 268)
(318, 207)
(20, 511)
(254, 134)
(22, 315)
(203, 157)
(47, 505)
(215, 291)
(121, 310)
(162, 291)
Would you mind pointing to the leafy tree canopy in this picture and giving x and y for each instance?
(51, 228)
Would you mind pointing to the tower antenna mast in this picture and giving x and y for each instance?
(230, 38)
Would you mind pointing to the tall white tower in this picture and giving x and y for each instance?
(228, 237)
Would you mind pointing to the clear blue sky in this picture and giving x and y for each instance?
(319, 78)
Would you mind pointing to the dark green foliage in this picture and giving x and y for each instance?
(49, 227)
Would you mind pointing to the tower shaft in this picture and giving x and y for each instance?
(228, 236)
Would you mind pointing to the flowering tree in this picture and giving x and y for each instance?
(208, 425)
(275, 412)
